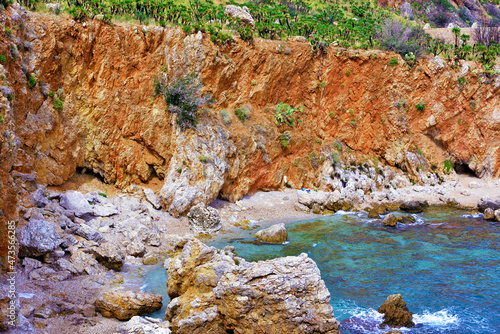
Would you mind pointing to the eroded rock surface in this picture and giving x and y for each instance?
(123, 305)
(215, 291)
(396, 314)
(203, 219)
(38, 237)
(276, 234)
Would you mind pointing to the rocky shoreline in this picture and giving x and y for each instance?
(74, 246)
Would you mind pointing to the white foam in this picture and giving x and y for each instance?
(26, 295)
(439, 318)
(342, 212)
(286, 243)
(478, 215)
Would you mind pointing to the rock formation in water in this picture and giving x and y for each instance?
(276, 234)
(213, 291)
(396, 314)
(123, 305)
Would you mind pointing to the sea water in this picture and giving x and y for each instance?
(446, 266)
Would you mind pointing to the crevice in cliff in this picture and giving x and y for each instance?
(464, 169)
(88, 171)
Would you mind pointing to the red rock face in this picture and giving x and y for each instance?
(112, 123)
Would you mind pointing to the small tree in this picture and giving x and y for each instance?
(183, 97)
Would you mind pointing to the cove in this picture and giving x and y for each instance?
(446, 266)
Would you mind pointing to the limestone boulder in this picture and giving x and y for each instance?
(109, 255)
(276, 234)
(489, 214)
(390, 220)
(413, 206)
(407, 219)
(76, 202)
(237, 12)
(497, 215)
(396, 314)
(152, 198)
(483, 205)
(123, 305)
(39, 198)
(37, 238)
(142, 325)
(215, 291)
(203, 219)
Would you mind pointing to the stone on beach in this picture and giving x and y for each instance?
(123, 305)
(38, 237)
(489, 214)
(204, 219)
(276, 234)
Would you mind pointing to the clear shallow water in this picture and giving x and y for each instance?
(446, 266)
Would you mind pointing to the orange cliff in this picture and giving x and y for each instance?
(112, 123)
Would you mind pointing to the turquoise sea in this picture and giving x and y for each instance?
(446, 266)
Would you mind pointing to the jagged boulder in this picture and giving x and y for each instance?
(37, 238)
(123, 305)
(215, 291)
(76, 202)
(109, 255)
(204, 219)
(396, 314)
(237, 12)
(38, 197)
(276, 234)
(390, 220)
(152, 198)
(142, 325)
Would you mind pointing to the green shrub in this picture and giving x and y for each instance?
(462, 81)
(285, 114)
(58, 104)
(335, 158)
(243, 113)
(163, 68)
(9, 97)
(285, 139)
(226, 119)
(352, 123)
(332, 114)
(183, 97)
(3, 59)
(317, 140)
(1, 119)
(420, 107)
(31, 81)
(347, 73)
(393, 62)
(338, 147)
(204, 158)
(51, 94)
(448, 166)
(246, 33)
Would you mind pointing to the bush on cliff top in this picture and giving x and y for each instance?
(183, 97)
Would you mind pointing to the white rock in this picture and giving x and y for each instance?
(76, 202)
(152, 198)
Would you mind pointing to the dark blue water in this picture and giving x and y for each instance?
(446, 266)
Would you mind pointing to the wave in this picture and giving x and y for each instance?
(439, 318)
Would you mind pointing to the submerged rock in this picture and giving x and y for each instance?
(142, 325)
(276, 234)
(390, 220)
(214, 291)
(123, 305)
(204, 219)
(396, 314)
(37, 238)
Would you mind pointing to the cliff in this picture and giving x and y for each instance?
(112, 124)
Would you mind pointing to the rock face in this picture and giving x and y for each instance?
(390, 220)
(123, 305)
(236, 12)
(396, 313)
(483, 205)
(406, 10)
(140, 325)
(204, 219)
(37, 238)
(276, 234)
(216, 292)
